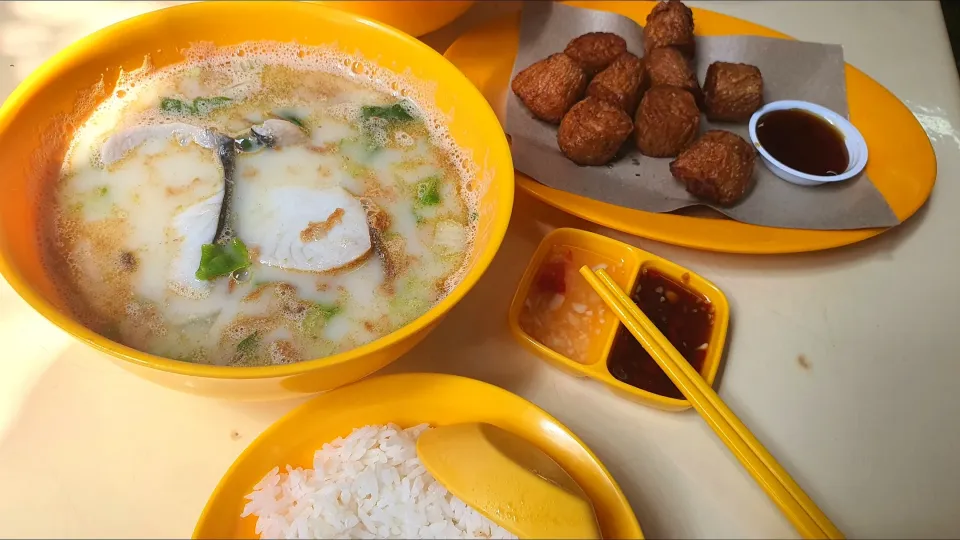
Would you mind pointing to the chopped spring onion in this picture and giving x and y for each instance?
(289, 117)
(398, 112)
(218, 260)
(428, 191)
(199, 106)
(317, 316)
(249, 344)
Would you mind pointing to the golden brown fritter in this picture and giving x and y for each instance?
(717, 167)
(593, 131)
(670, 24)
(666, 66)
(732, 92)
(595, 51)
(621, 84)
(550, 87)
(667, 121)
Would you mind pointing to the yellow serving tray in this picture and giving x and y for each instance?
(902, 163)
(415, 17)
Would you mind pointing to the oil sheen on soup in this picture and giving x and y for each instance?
(257, 207)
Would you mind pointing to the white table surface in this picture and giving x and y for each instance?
(870, 429)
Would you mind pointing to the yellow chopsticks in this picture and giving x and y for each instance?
(809, 520)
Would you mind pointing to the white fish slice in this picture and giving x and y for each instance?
(303, 228)
(122, 143)
(183, 195)
(195, 226)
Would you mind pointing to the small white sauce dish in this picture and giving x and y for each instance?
(856, 145)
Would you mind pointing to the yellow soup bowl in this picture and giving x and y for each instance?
(34, 135)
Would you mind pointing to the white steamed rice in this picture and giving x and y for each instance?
(368, 485)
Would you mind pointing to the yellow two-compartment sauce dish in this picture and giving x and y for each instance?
(556, 315)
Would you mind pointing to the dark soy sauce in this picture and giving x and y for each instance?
(803, 141)
(681, 315)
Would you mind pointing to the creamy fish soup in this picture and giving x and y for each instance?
(258, 207)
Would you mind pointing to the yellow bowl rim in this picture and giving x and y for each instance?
(46, 74)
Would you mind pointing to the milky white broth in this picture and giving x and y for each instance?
(354, 222)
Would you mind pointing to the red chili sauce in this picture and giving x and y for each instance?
(562, 311)
(684, 317)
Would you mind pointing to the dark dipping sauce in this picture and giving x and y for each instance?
(803, 141)
(684, 317)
